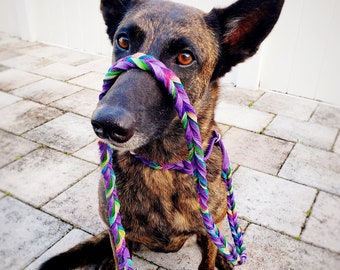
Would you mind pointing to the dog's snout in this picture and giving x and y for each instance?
(114, 124)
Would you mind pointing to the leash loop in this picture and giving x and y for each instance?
(183, 166)
(195, 165)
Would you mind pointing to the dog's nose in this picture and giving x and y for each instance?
(114, 124)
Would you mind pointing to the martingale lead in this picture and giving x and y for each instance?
(195, 165)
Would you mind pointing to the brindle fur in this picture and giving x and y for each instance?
(159, 208)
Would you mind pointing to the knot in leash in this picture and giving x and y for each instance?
(195, 165)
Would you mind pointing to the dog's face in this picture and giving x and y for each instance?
(198, 47)
(137, 108)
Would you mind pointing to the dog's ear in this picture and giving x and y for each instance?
(113, 12)
(241, 28)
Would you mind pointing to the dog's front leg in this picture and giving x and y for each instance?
(209, 252)
(211, 257)
(222, 263)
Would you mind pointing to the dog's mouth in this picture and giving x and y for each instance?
(136, 141)
(127, 130)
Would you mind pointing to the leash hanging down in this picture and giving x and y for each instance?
(195, 165)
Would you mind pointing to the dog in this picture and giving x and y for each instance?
(159, 209)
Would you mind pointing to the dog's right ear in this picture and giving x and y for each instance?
(241, 28)
(113, 12)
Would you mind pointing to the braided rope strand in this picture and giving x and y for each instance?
(232, 213)
(195, 164)
(115, 221)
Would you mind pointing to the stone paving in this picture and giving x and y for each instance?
(285, 153)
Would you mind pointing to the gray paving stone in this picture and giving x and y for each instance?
(101, 65)
(93, 80)
(25, 115)
(6, 54)
(307, 133)
(327, 116)
(40, 50)
(13, 78)
(7, 99)
(268, 250)
(313, 167)
(14, 43)
(239, 96)
(46, 90)
(140, 264)
(73, 238)
(72, 57)
(59, 71)
(79, 204)
(89, 153)
(256, 151)
(272, 202)
(285, 105)
(322, 228)
(186, 258)
(223, 128)
(336, 147)
(25, 233)
(83, 102)
(67, 133)
(26, 62)
(2, 195)
(13, 147)
(42, 175)
(242, 117)
(2, 67)
(3, 37)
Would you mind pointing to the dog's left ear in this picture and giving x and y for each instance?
(113, 12)
(241, 28)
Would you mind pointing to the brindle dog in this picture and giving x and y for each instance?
(159, 208)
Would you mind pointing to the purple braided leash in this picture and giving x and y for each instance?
(195, 165)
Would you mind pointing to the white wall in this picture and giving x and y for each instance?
(75, 24)
(206, 5)
(302, 55)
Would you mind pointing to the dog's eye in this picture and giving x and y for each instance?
(185, 58)
(123, 42)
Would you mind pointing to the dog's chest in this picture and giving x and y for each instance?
(160, 209)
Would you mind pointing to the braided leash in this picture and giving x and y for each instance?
(195, 165)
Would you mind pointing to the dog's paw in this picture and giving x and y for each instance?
(221, 263)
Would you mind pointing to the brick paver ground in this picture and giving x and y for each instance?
(285, 152)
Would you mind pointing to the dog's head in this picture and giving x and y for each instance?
(198, 47)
